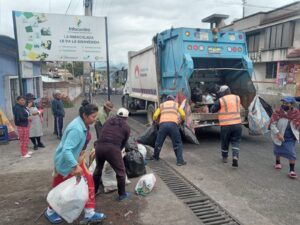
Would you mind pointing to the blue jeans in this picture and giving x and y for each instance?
(169, 129)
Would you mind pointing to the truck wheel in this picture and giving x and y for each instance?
(150, 112)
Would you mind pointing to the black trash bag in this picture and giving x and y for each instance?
(131, 144)
(148, 137)
(134, 164)
(266, 106)
(188, 135)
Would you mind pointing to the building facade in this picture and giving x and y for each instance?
(9, 82)
(273, 40)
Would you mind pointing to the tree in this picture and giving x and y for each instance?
(77, 67)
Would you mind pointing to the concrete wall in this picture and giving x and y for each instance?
(73, 91)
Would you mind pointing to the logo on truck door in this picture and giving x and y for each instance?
(140, 72)
(137, 71)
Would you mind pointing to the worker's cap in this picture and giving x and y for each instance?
(108, 105)
(57, 92)
(170, 97)
(223, 88)
(29, 96)
(122, 112)
(289, 99)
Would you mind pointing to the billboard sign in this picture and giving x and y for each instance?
(55, 37)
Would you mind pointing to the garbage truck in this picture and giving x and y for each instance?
(194, 62)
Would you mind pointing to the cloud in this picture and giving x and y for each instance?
(133, 23)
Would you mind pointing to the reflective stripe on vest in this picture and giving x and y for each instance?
(229, 113)
(169, 112)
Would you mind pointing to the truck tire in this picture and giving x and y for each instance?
(150, 112)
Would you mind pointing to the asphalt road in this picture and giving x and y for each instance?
(255, 193)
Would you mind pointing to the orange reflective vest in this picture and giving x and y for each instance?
(230, 109)
(169, 112)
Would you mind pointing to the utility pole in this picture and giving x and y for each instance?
(244, 2)
(107, 61)
(87, 89)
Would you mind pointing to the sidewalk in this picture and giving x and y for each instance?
(26, 182)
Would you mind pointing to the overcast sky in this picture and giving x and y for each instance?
(133, 23)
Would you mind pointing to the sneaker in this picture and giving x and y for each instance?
(35, 147)
(225, 159)
(235, 163)
(292, 174)
(123, 197)
(96, 218)
(30, 152)
(26, 156)
(53, 218)
(278, 166)
(181, 163)
(41, 145)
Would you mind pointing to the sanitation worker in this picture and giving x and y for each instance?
(229, 107)
(168, 126)
(114, 135)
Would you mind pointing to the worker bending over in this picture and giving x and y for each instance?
(168, 126)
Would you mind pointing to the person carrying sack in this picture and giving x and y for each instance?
(69, 161)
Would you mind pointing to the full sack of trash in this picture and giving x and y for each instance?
(69, 198)
(188, 135)
(109, 179)
(131, 144)
(134, 163)
(258, 118)
(142, 149)
(145, 185)
(148, 137)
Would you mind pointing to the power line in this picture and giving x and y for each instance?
(68, 7)
(258, 6)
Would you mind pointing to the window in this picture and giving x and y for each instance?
(279, 36)
(271, 70)
(14, 86)
(253, 42)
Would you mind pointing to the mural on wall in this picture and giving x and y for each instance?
(287, 73)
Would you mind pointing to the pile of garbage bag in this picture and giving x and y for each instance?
(148, 137)
(145, 185)
(188, 135)
(134, 163)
